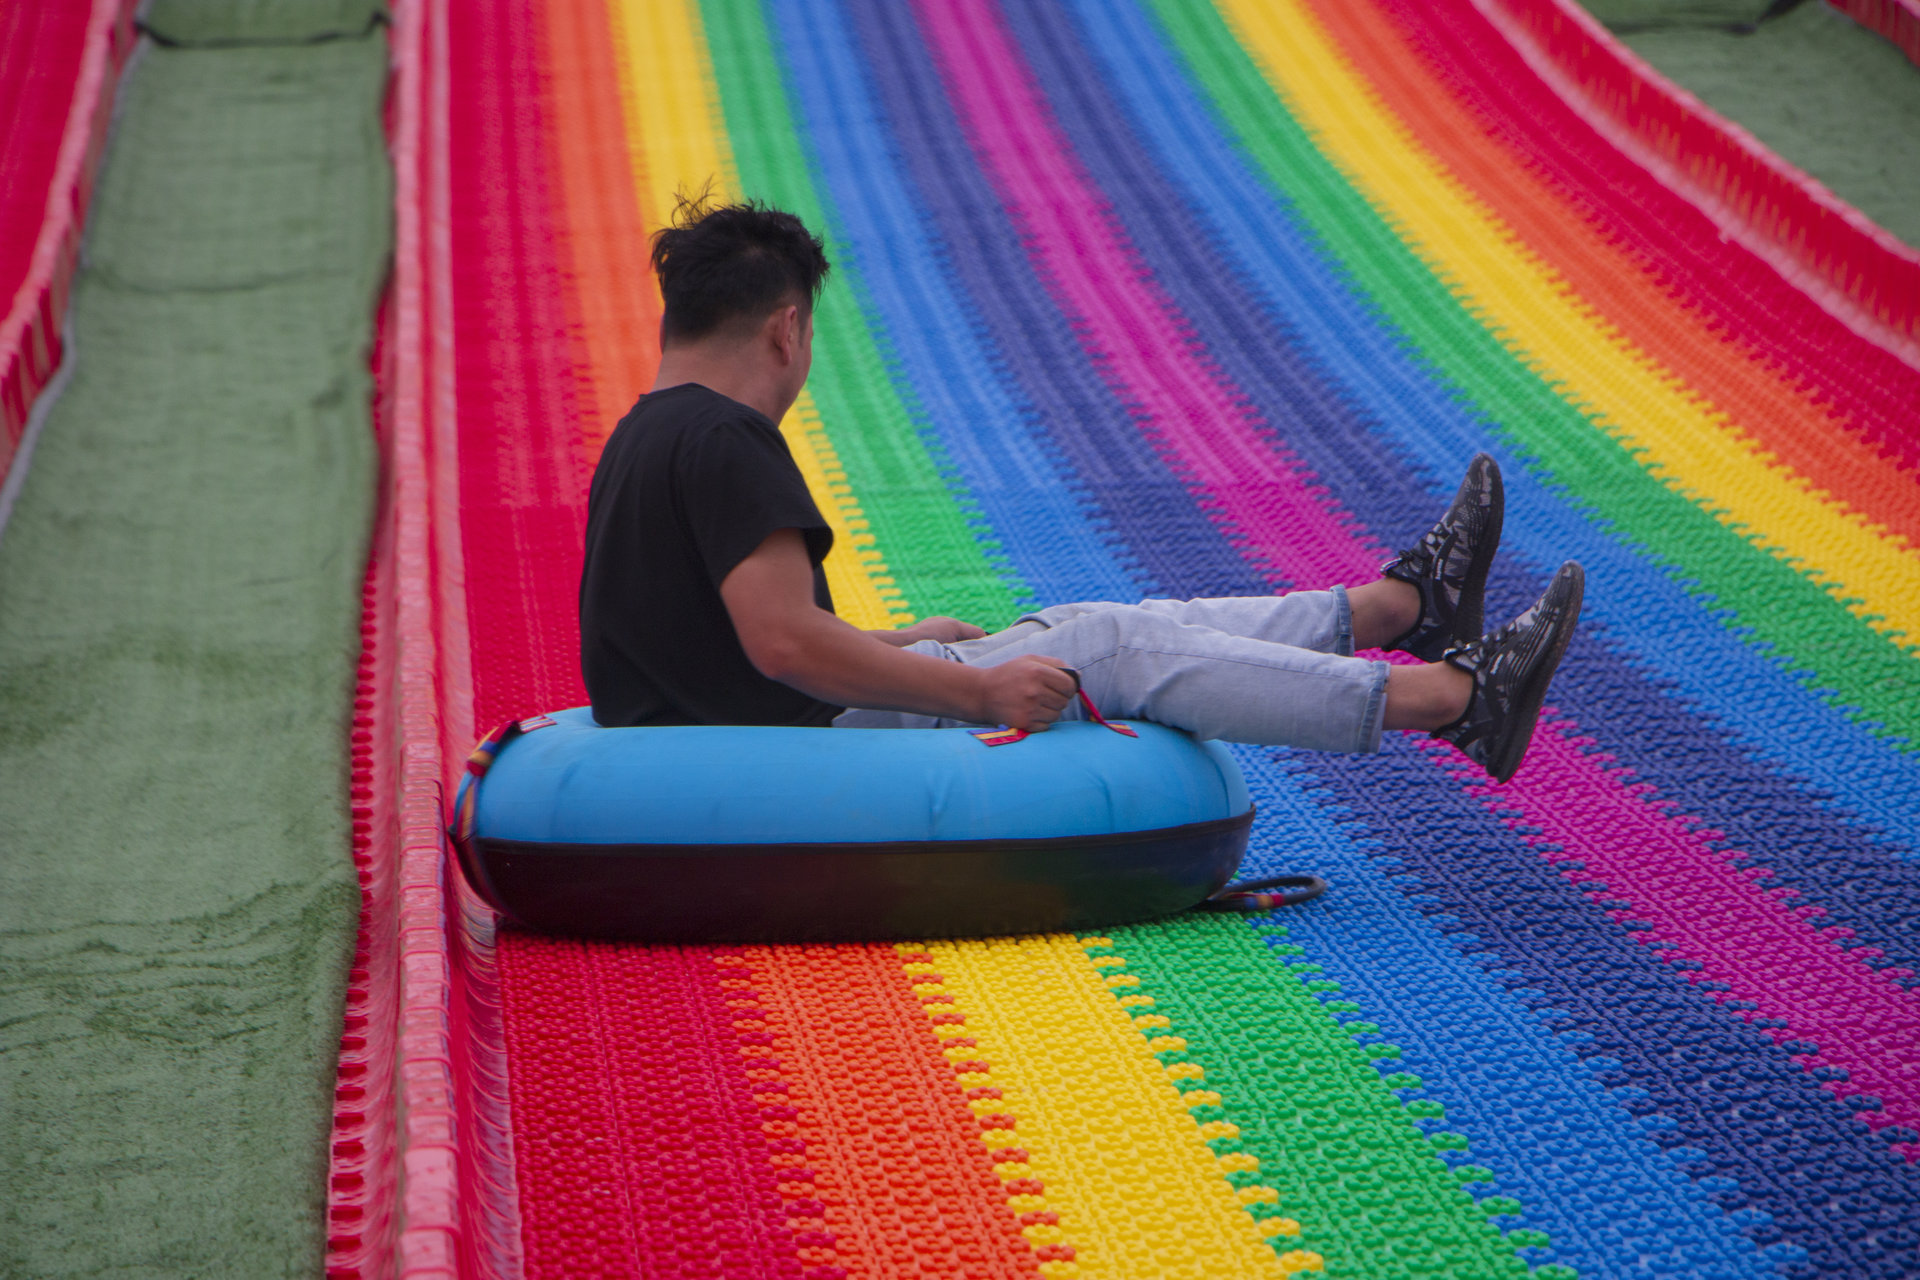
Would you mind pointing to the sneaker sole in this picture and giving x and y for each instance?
(1506, 762)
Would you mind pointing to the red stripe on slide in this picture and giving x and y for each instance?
(642, 1096)
(905, 1185)
(618, 304)
(523, 480)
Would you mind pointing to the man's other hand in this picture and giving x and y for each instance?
(945, 630)
(1028, 692)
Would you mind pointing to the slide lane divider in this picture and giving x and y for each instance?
(32, 328)
(363, 1173)
(1897, 20)
(421, 1175)
(1858, 271)
(1686, 758)
(1592, 809)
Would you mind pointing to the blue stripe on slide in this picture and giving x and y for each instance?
(1118, 470)
(987, 420)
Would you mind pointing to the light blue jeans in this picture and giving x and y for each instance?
(1274, 670)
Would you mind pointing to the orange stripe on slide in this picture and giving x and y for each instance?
(1716, 367)
(894, 1152)
(615, 300)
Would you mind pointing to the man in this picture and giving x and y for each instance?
(702, 600)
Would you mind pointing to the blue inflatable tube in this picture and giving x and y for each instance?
(732, 834)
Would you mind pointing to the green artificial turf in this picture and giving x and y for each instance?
(214, 23)
(1822, 91)
(178, 634)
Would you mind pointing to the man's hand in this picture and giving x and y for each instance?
(945, 630)
(1027, 692)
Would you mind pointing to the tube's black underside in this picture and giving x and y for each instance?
(854, 892)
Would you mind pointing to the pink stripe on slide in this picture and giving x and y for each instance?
(1743, 936)
(1126, 323)
(1750, 938)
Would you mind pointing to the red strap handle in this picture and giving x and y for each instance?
(1002, 737)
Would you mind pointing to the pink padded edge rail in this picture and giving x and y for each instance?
(30, 346)
(1897, 20)
(421, 1178)
(1853, 268)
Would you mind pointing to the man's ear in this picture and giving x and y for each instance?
(783, 328)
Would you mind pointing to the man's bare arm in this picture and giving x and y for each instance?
(789, 638)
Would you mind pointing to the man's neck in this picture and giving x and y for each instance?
(724, 368)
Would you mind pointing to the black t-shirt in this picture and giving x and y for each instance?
(689, 485)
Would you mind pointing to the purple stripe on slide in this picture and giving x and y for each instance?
(1681, 890)
(1768, 955)
(1130, 330)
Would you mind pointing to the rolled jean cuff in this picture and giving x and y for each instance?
(1342, 621)
(1372, 726)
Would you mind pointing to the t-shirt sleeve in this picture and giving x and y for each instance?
(738, 484)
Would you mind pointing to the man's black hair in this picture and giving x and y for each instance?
(732, 262)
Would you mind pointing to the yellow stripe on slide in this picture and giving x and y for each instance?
(1565, 343)
(677, 135)
(1118, 1157)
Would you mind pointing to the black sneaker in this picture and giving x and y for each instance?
(1449, 565)
(1511, 670)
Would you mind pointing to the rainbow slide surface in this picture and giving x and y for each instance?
(1179, 298)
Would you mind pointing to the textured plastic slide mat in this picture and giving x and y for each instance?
(1158, 297)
